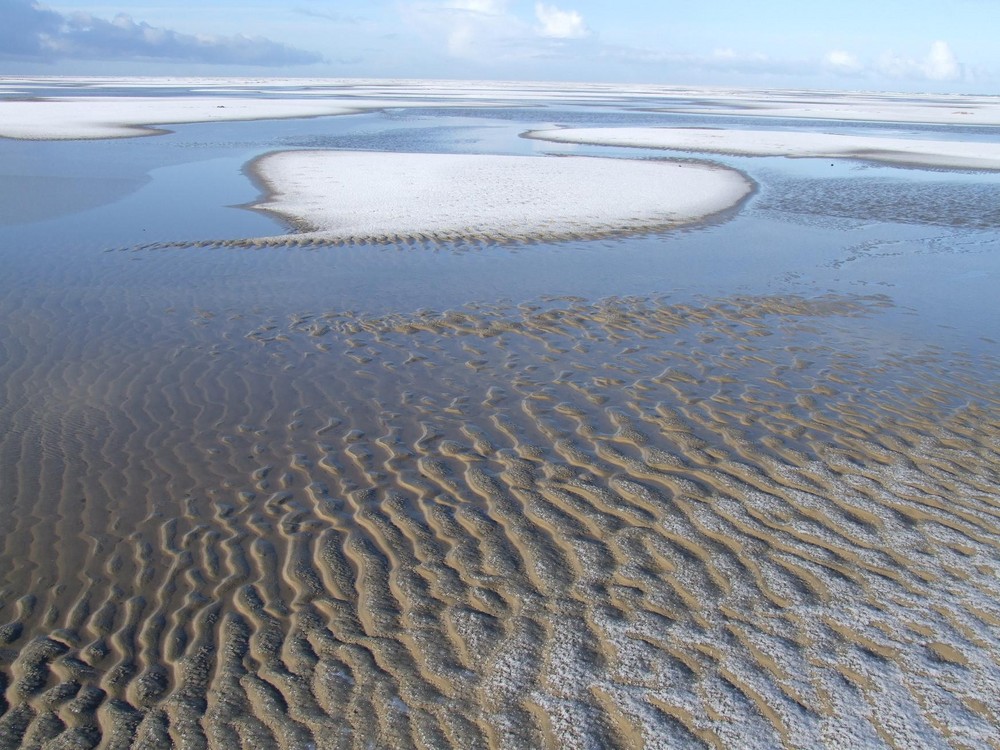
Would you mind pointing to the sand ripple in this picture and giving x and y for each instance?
(570, 524)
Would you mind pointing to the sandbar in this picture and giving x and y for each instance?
(70, 118)
(383, 197)
(903, 151)
(936, 109)
(110, 116)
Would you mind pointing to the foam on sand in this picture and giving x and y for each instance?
(381, 197)
(68, 118)
(906, 151)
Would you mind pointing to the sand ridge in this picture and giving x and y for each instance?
(563, 524)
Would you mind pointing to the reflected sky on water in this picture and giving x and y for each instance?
(75, 216)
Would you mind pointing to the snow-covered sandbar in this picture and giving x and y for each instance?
(384, 197)
(941, 109)
(903, 151)
(64, 113)
(64, 118)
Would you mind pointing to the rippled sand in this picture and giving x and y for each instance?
(574, 524)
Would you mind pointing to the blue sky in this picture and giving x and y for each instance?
(913, 45)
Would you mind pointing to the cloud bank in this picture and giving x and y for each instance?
(556, 40)
(940, 64)
(32, 32)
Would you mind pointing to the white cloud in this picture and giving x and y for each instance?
(494, 35)
(939, 65)
(466, 29)
(493, 32)
(483, 7)
(842, 62)
(560, 24)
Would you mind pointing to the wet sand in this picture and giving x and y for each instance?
(255, 495)
(615, 523)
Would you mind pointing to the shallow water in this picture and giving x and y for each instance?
(798, 234)
(732, 485)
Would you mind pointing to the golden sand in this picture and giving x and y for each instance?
(623, 524)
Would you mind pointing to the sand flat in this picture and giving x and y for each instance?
(936, 109)
(273, 499)
(377, 197)
(940, 109)
(93, 117)
(848, 105)
(452, 529)
(73, 117)
(130, 116)
(904, 151)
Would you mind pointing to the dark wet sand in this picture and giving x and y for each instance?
(621, 523)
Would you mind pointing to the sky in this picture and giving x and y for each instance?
(883, 45)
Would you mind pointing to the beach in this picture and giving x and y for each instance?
(395, 425)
